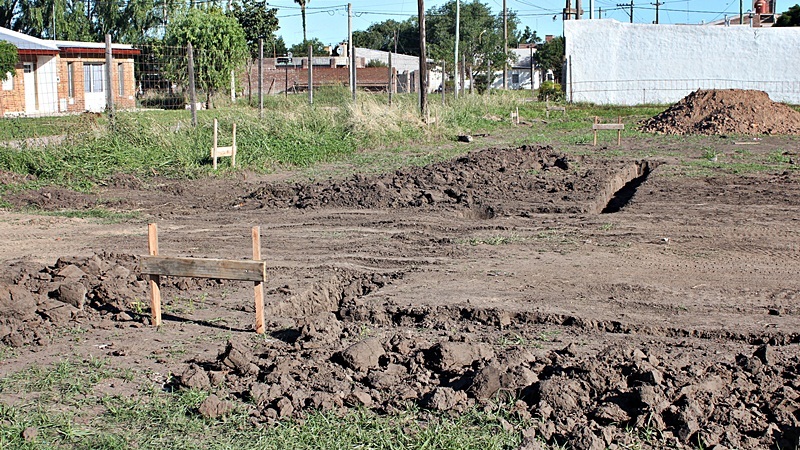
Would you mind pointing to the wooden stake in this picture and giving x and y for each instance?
(259, 285)
(214, 147)
(155, 289)
(619, 132)
(233, 154)
(596, 121)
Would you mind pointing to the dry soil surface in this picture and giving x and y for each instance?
(595, 294)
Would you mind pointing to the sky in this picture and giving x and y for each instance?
(327, 19)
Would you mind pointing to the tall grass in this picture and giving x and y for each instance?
(290, 133)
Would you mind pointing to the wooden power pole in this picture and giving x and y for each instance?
(423, 62)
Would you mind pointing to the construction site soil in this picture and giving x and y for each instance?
(593, 295)
(726, 111)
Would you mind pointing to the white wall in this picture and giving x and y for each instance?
(46, 75)
(628, 64)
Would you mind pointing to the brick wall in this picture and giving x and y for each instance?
(13, 101)
(376, 78)
(76, 102)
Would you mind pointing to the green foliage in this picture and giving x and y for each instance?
(529, 37)
(481, 35)
(790, 18)
(8, 59)
(550, 90)
(301, 49)
(258, 22)
(219, 47)
(126, 21)
(550, 56)
(302, 4)
(381, 36)
(376, 63)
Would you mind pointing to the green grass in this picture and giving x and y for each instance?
(66, 411)
(290, 135)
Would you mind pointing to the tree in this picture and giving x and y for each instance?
(381, 36)
(302, 4)
(529, 37)
(481, 36)
(301, 49)
(258, 22)
(790, 18)
(8, 59)
(219, 47)
(550, 56)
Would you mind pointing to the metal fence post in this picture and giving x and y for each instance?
(261, 78)
(192, 92)
(310, 75)
(109, 85)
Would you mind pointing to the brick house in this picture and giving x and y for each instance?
(65, 76)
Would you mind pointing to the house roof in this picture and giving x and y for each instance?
(95, 48)
(28, 44)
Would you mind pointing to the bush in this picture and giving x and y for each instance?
(550, 90)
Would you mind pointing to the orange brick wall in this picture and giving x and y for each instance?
(125, 101)
(14, 101)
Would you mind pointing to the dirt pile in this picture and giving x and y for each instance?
(725, 111)
(585, 398)
(514, 181)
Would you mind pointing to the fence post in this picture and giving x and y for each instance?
(310, 75)
(391, 78)
(443, 84)
(109, 85)
(192, 92)
(570, 79)
(261, 78)
(233, 86)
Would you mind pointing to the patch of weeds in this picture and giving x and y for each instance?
(494, 240)
(710, 153)
(101, 214)
(779, 157)
(606, 227)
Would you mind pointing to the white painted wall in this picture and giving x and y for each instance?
(47, 78)
(629, 64)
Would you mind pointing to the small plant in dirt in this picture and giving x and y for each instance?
(711, 154)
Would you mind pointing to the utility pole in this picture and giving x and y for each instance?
(505, 46)
(600, 12)
(352, 52)
(458, 36)
(741, 12)
(423, 62)
(591, 9)
(578, 10)
(657, 4)
(624, 5)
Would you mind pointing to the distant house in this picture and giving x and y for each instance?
(523, 73)
(65, 76)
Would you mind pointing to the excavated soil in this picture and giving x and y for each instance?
(726, 111)
(595, 296)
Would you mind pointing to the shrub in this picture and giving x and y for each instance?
(550, 90)
(8, 59)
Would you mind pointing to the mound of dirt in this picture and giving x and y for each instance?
(725, 111)
(580, 397)
(511, 181)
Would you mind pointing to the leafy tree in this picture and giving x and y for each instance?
(481, 36)
(550, 56)
(8, 59)
(381, 36)
(529, 37)
(301, 49)
(7, 11)
(258, 22)
(302, 4)
(219, 47)
(790, 18)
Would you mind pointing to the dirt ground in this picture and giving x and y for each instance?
(596, 294)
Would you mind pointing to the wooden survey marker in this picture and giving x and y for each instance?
(619, 126)
(156, 266)
(217, 151)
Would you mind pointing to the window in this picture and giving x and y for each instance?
(514, 78)
(121, 79)
(8, 82)
(93, 79)
(71, 79)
